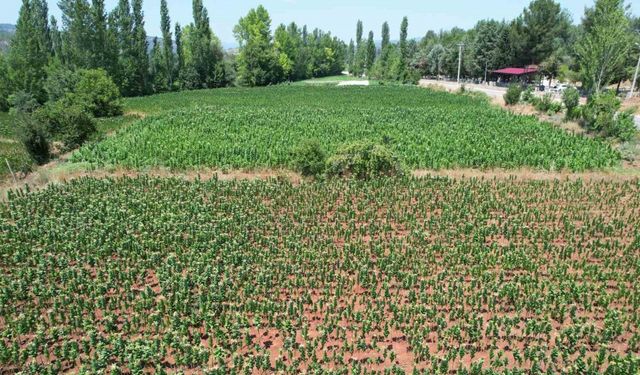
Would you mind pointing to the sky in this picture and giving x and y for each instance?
(337, 16)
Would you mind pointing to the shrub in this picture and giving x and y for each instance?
(527, 95)
(23, 102)
(34, 136)
(513, 94)
(308, 158)
(624, 128)
(98, 92)
(601, 115)
(571, 100)
(364, 160)
(67, 121)
(547, 105)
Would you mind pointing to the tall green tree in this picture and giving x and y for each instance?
(140, 50)
(404, 30)
(167, 43)
(99, 53)
(179, 51)
(360, 55)
(5, 84)
(545, 27)
(603, 48)
(126, 72)
(371, 51)
(56, 39)
(30, 49)
(258, 61)
(207, 59)
(351, 51)
(78, 33)
(386, 37)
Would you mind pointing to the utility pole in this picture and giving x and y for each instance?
(460, 60)
(635, 77)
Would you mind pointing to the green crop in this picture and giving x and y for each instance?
(140, 275)
(242, 128)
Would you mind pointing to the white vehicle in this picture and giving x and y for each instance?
(560, 87)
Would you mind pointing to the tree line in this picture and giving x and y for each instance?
(189, 57)
(597, 52)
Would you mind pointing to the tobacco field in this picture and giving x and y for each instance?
(430, 275)
(258, 128)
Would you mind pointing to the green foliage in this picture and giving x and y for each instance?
(60, 81)
(528, 96)
(601, 115)
(17, 156)
(222, 274)
(546, 104)
(624, 127)
(97, 90)
(309, 158)
(30, 49)
(34, 136)
(364, 160)
(571, 100)
(256, 128)
(513, 94)
(23, 102)
(5, 84)
(603, 47)
(67, 121)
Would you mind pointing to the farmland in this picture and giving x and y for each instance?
(428, 274)
(241, 128)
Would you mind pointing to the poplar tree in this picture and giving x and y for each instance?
(30, 49)
(179, 51)
(140, 48)
(167, 42)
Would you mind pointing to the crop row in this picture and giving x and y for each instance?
(258, 129)
(429, 275)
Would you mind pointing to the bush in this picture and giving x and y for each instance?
(513, 94)
(571, 100)
(527, 95)
(23, 102)
(624, 127)
(67, 121)
(601, 115)
(308, 158)
(364, 160)
(98, 92)
(547, 105)
(34, 136)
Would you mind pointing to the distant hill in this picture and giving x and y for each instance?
(7, 27)
(6, 32)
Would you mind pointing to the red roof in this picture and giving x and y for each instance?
(516, 71)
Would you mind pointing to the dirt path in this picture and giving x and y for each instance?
(56, 174)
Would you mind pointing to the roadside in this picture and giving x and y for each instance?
(496, 94)
(57, 173)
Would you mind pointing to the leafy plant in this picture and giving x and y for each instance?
(33, 134)
(364, 160)
(308, 158)
(512, 96)
(101, 96)
(571, 100)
